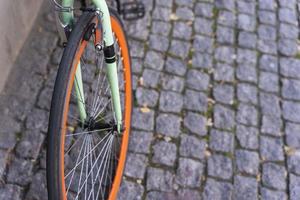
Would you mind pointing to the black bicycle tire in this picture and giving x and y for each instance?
(58, 100)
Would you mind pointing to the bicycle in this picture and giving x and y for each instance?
(91, 107)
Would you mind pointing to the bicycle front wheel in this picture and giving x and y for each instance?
(85, 159)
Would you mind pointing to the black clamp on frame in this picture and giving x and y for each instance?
(109, 54)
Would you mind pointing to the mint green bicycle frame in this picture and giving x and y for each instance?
(67, 19)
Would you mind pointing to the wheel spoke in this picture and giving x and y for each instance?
(88, 154)
(94, 154)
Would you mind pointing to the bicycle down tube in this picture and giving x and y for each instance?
(109, 53)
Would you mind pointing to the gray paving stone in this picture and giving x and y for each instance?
(161, 13)
(274, 176)
(269, 104)
(144, 121)
(290, 89)
(137, 65)
(246, 7)
(245, 56)
(151, 78)
(139, 29)
(220, 166)
(51, 76)
(246, 22)
(203, 26)
(56, 55)
(4, 159)
(287, 47)
(224, 54)
(11, 192)
(31, 84)
(247, 39)
(195, 123)
(271, 125)
(158, 179)
(202, 60)
(221, 141)
(223, 93)
(185, 13)
(191, 146)
(179, 48)
(195, 101)
(166, 3)
(20, 172)
(293, 162)
(267, 32)
(161, 28)
(7, 140)
(44, 99)
(225, 4)
(292, 134)
(197, 80)
(38, 120)
(288, 16)
(158, 42)
(289, 4)
(146, 97)
(137, 48)
(182, 31)
(224, 72)
(170, 102)
(267, 17)
(175, 66)
(247, 137)
(288, 31)
(247, 162)
(267, 46)
(269, 82)
(189, 172)
(30, 144)
(140, 141)
(225, 35)
(294, 187)
(268, 63)
(267, 4)
(164, 153)
(223, 117)
(172, 83)
(245, 188)
(187, 3)
(203, 44)
(135, 80)
(271, 149)
(153, 195)
(9, 126)
(130, 190)
(38, 187)
(168, 124)
(267, 194)
(217, 190)
(290, 67)
(204, 10)
(247, 72)
(247, 93)
(290, 111)
(226, 18)
(188, 194)
(154, 60)
(134, 162)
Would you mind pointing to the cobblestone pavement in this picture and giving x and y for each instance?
(222, 81)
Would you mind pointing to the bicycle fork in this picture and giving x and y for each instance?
(110, 59)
